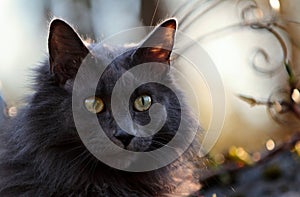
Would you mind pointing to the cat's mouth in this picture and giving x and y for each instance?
(140, 144)
(124, 159)
(134, 144)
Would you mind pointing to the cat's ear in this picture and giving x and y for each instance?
(66, 51)
(158, 46)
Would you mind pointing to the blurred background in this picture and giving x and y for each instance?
(250, 59)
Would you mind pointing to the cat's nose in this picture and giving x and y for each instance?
(123, 136)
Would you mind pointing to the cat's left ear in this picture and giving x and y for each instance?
(158, 46)
(66, 51)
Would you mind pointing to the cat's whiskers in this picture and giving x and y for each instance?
(93, 167)
(157, 155)
(73, 149)
(68, 140)
(79, 159)
(166, 145)
(154, 156)
(87, 163)
(154, 13)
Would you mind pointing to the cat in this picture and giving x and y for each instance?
(43, 155)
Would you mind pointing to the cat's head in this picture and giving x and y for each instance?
(67, 53)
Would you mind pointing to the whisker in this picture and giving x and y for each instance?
(87, 164)
(154, 13)
(165, 145)
(154, 157)
(73, 149)
(94, 167)
(78, 159)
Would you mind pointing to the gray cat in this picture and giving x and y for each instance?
(43, 153)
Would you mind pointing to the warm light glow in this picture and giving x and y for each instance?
(232, 151)
(256, 156)
(270, 144)
(296, 96)
(241, 153)
(12, 111)
(219, 158)
(297, 147)
(275, 4)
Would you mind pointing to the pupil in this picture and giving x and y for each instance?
(143, 101)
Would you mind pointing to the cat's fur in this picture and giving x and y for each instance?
(2, 109)
(43, 154)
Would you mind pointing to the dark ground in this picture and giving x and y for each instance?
(277, 177)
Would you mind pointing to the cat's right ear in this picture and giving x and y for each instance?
(66, 51)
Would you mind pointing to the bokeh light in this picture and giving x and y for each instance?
(275, 4)
(296, 96)
(270, 145)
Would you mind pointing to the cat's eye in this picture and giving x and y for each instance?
(94, 104)
(142, 103)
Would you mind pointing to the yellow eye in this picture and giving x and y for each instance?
(142, 103)
(94, 104)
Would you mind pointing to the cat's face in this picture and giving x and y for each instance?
(67, 51)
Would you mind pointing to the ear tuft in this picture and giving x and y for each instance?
(159, 44)
(66, 50)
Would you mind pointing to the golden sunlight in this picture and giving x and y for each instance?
(275, 4)
(296, 96)
(270, 144)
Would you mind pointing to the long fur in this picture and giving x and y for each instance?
(42, 158)
(43, 155)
